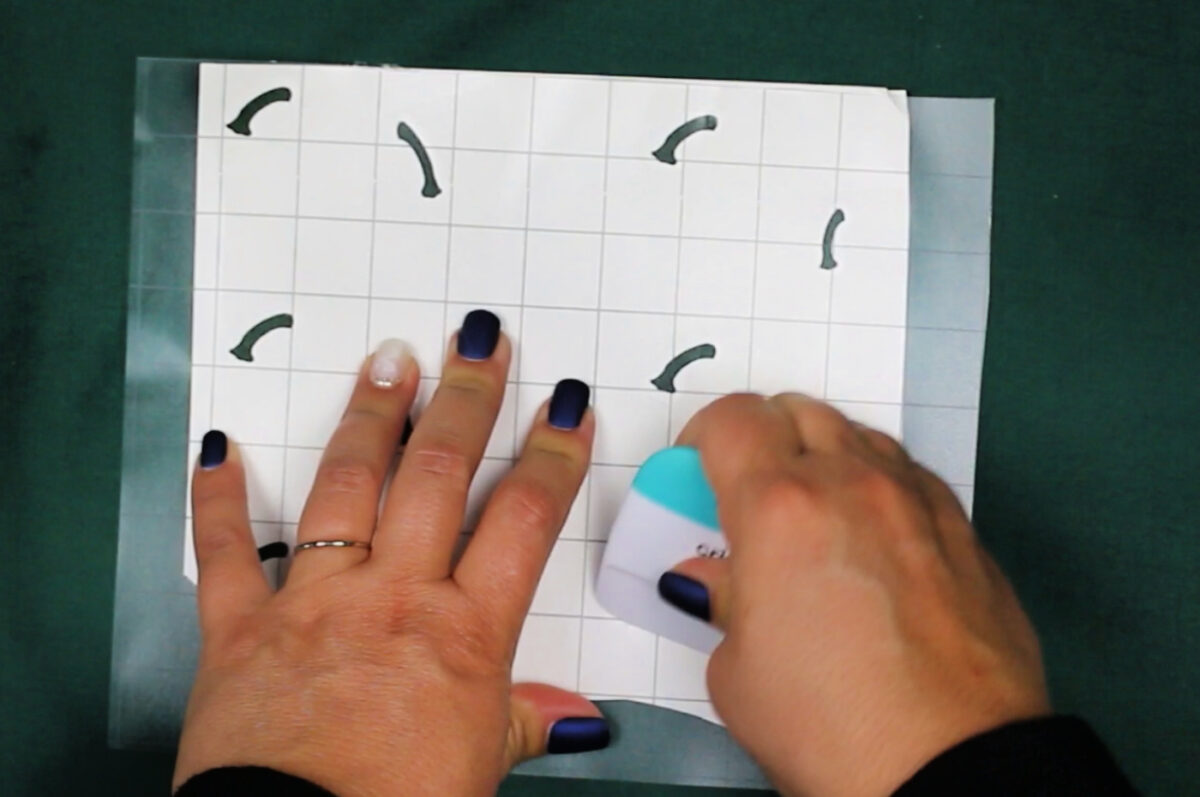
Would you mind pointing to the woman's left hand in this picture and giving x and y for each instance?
(388, 670)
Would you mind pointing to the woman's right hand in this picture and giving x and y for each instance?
(866, 629)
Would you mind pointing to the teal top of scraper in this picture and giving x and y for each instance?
(674, 478)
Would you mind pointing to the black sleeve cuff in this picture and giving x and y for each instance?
(1058, 756)
(248, 782)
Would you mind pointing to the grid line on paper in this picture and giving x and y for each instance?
(708, 394)
(374, 206)
(806, 88)
(419, 300)
(619, 310)
(687, 95)
(678, 267)
(762, 137)
(388, 144)
(516, 364)
(287, 401)
(587, 507)
(212, 354)
(614, 233)
(837, 174)
(627, 388)
(449, 214)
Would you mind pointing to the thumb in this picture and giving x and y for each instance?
(699, 587)
(545, 719)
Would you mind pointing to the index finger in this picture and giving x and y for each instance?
(231, 580)
(742, 437)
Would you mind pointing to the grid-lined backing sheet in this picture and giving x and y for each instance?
(364, 203)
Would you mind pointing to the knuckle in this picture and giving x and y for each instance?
(922, 557)
(740, 400)
(879, 487)
(798, 519)
(882, 444)
(734, 405)
(217, 535)
(567, 453)
(783, 499)
(797, 400)
(528, 504)
(812, 410)
(900, 513)
(724, 418)
(827, 421)
(944, 498)
(443, 457)
(469, 384)
(516, 741)
(348, 475)
(208, 491)
(885, 442)
(727, 408)
(357, 417)
(829, 414)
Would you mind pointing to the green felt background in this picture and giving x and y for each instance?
(1088, 476)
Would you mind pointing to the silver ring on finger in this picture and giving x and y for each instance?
(317, 544)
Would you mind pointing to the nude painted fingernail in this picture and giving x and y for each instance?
(390, 362)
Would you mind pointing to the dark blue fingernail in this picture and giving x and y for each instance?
(569, 402)
(686, 594)
(213, 449)
(479, 335)
(578, 735)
